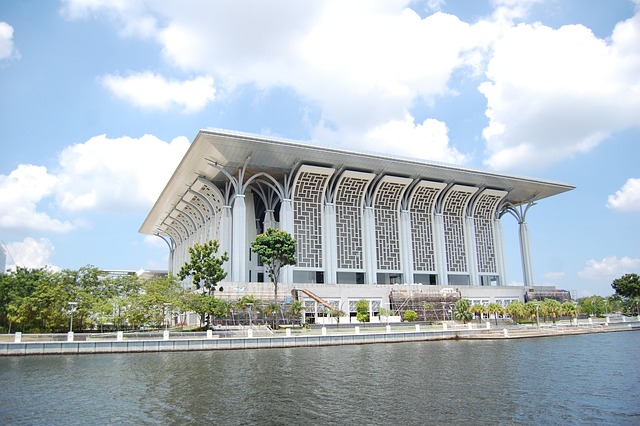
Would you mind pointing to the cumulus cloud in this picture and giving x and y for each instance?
(551, 94)
(627, 198)
(121, 174)
(149, 90)
(7, 48)
(30, 253)
(428, 140)
(362, 63)
(555, 93)
(609, 268)
(21, 192)
(117, 175)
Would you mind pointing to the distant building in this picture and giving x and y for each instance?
(360, 220)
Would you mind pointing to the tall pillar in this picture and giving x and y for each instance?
(472, 250)
(239, 240)
(226, 232)
(520, 214)
(369, 249)
(269, 220)
(499, 241)
(330, 244)
(286, 224)
(440, 249)
(525, 253)
(406, 252)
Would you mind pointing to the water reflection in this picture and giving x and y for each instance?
(534, 381)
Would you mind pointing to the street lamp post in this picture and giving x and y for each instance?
(72, 308)
(537, 315)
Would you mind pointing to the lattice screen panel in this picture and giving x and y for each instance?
(307, 218)
(348, 206)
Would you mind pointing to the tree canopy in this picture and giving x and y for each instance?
(277, 249)
(627, 286)
(204, 266)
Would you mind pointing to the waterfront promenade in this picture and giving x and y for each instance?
(264, 338)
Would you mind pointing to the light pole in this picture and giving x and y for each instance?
(166, 311)
(537, 315)
(72, 308)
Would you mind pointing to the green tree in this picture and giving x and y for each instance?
(516, 310)
(495, 309)
(532, 309)
(271, 312)
(478, 309)
(426, 306)
(410, 315)
(569, 309)
(627, 286)
(462, 310)
(276, 249)
(337, 314)
(552, 309)
(295, 311)
(362, 310)
(204, 266)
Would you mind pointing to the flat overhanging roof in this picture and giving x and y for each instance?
(278, 157)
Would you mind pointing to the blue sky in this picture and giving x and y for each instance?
(100, 99)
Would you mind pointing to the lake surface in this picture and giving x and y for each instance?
(584, 379)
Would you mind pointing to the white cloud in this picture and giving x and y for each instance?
(363, 63)
(21, 192)
(149, 90)
(116, 175)
(609, 268)
(428, 140)
(626, 198)
(121, 174)
(31, 253)
(7, 48)
(553, 94)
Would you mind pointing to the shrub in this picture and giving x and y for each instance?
(410, 315)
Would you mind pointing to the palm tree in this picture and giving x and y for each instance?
(427, 306)
(516, 310)
(337, 313)
(295, 310)
(462, 311)
(478, 309)
(569, 309)
(271, 311)
(496, 309)
(551, 308)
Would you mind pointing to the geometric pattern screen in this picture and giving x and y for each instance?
(421, 208)
(453, 216)
(307, 217)
(483, 217)
(387, 233)
(348, 208)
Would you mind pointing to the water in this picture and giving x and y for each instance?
(585, 379)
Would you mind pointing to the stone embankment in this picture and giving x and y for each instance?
(263, 338)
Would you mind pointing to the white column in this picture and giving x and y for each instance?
(330, 243)
(369, 248)
(525, 251)
(472, 251)
(440, 249)
(499, 245)
(239, 247)
(269, 220)
(406, 249)
(286, 224)
(226, 232)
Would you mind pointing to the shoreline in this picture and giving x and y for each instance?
(336, 338)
